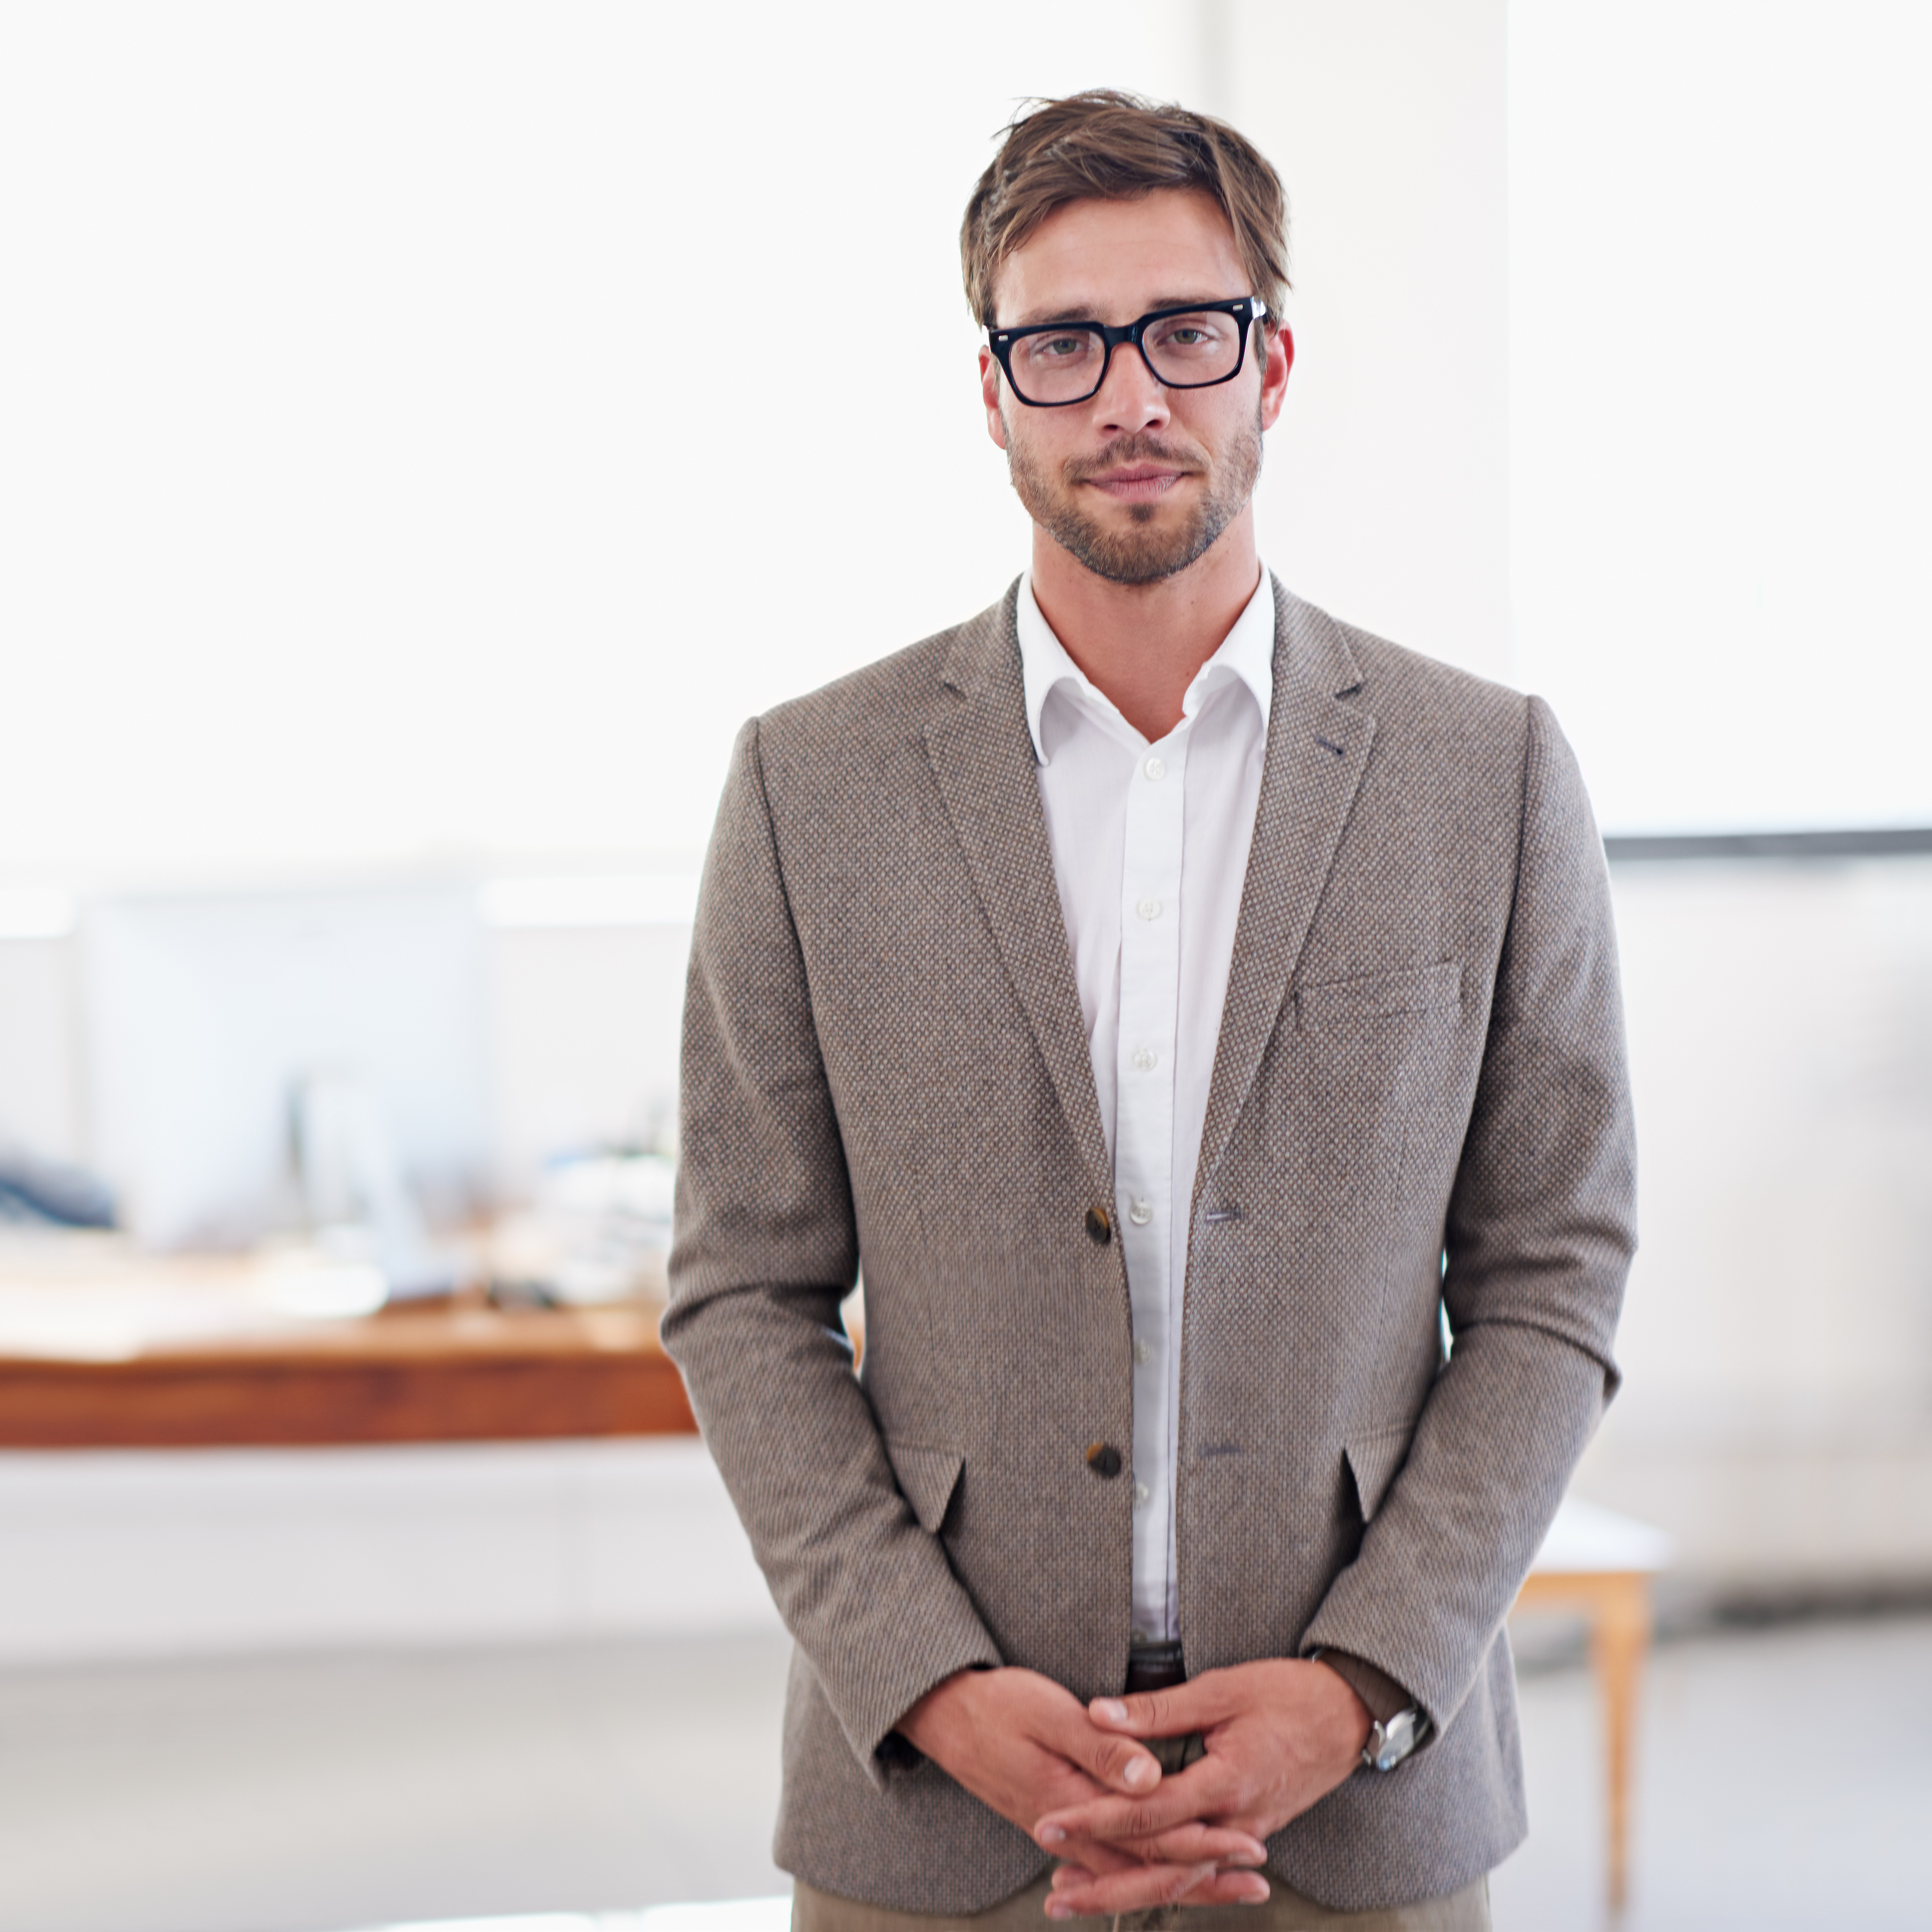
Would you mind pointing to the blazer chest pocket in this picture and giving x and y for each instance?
(1333, 1005)
(927, 1478)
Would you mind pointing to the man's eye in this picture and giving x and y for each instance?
(1192, 333)
(1059, 348)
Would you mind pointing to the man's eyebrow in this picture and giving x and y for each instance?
(1090, 312)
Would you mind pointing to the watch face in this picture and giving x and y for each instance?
(1389, 1743)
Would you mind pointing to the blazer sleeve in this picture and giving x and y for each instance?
(766, 1247)
(1541, 1229)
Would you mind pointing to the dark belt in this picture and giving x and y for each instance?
(1154, 1667)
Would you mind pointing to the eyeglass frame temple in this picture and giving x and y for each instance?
(1000, 344)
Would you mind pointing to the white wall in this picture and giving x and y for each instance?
(42, 1107)
(1720, 400)
(584, 1034)
(1778, 1338)
(428, 430)
(1386, 493)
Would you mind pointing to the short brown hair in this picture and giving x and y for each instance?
(1102, 145)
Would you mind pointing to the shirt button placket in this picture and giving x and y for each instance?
(1150, 959)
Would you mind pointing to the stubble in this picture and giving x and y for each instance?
(1149, 548)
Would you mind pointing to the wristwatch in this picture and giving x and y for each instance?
(1392, 1736)
(1390, 1743)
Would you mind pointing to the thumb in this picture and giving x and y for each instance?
(1194, 1705)
(1116, 1762)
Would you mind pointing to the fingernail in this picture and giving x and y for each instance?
(1052, 1834)
(1058, 1908)
(1140, 1771)
(1110, 1710)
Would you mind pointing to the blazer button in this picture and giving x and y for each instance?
(1103, 1458)
(1099, 1229)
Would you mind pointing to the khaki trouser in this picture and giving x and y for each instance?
(1284, 1911)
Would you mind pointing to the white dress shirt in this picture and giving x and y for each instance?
(1150, 850)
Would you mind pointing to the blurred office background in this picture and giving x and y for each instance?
(427, 431)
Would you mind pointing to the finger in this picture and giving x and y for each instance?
(1135, 1891)
(1194, 1705)
(1097, 1859)
(1231, 1888)
(1224, 1887)
(1116, 1762)
(1186, 1845)
(1204, 1790)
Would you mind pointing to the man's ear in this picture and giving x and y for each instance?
(1277, 359)
(989, 393)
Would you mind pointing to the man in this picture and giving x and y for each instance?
(1192, 1011)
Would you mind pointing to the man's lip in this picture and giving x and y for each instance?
(1137, 472)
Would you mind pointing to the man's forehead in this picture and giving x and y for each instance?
(1089, 258)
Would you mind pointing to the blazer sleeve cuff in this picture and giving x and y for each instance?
(872, 1730)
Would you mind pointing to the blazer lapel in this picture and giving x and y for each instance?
(1318, 748)
(982, 756)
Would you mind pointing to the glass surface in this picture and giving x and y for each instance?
(1051, 364)
(1183, 350)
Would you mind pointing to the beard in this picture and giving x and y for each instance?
(1146, 551)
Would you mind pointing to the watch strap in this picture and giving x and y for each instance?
(1383, 1696)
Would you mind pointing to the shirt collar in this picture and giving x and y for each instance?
(1246, 653)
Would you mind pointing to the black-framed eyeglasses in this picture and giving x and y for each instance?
(1050, 364)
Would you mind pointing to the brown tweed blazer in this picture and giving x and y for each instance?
(1421, 1053)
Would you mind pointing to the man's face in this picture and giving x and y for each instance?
(1138, 481)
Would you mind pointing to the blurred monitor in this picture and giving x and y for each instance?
(261, 1063)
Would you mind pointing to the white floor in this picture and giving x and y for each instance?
(1785, 1783)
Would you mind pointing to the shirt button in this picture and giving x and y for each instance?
(1149, 908)
(1143, 1353)
(1137, 1635)
(1140, 1212)
(1141, 1492)
(1155, 768)
(1145, 1059)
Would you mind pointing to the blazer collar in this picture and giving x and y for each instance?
(982, 756)
(1318, 737)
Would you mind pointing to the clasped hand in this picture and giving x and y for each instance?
(1279, 1736)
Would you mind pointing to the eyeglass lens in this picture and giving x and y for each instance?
(1063, 365)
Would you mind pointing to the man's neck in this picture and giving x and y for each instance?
(1142, 644)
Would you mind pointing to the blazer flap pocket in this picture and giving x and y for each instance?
(1375, 1460)
(927, 1477)
(1415, 989)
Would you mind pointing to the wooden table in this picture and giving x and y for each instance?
(100, 1348)
(1600, 1565)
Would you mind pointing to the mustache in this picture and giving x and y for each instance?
(1126, 449)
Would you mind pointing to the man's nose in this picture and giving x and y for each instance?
(1132, 397)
